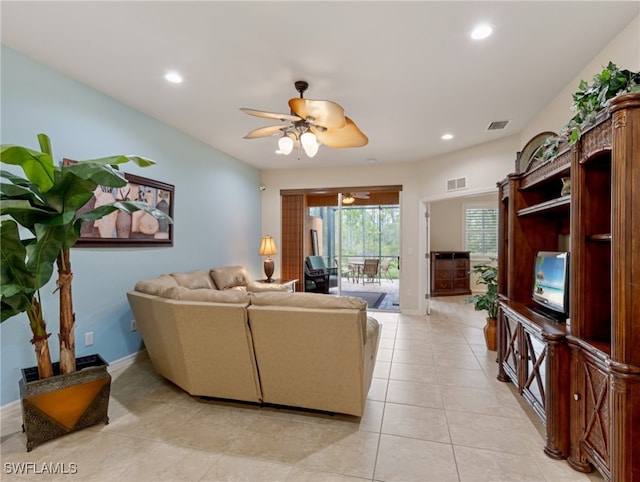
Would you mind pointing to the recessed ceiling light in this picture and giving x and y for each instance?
(173, 77)
(372, 161)
(481, 32)
(446, 137)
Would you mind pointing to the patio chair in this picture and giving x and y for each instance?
(316, 272)
(384, 268)
(370, 271)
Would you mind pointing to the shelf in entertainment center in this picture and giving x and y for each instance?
(545, 206)
(603, 238)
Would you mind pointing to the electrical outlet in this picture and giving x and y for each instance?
(134, 326)
(88, 338)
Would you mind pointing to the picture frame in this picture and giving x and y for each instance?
(314, 242)
(120, 229)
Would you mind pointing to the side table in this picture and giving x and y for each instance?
(289, 283)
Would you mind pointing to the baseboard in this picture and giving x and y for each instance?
(14, 408)
(127, 361)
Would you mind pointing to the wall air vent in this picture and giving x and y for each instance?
(455, 184)
(497, 125)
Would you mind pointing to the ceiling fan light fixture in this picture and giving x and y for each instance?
(309, 143)
(285, 145)
(308, 139)
(311, 150)
(348, 199)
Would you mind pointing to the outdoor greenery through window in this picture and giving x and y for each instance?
(367, 232)
(481, 230)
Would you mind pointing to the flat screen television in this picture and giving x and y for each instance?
(551, 283)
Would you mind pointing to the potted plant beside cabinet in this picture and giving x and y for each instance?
(42, 215)
(487, 301)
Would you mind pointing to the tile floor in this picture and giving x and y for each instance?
(435, 413)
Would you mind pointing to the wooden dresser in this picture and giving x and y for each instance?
(450, 273)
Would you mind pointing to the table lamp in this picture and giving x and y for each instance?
(267, 248)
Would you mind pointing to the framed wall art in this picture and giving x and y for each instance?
(129, 229)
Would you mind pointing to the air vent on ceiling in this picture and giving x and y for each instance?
(455, 184)
(497, 125)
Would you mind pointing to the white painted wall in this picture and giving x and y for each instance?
(624, 51)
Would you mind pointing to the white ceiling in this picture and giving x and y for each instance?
(405, 72)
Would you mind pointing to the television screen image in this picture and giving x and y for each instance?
(550, 287)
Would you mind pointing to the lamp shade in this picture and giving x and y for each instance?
(268, 246)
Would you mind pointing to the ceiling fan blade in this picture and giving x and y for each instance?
(323, 112)
(265, 132)
(360, 195)
(271, 115)
(347, 136)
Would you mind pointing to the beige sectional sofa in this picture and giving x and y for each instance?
(220, 335)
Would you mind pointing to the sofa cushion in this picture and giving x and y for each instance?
(194, 279)
(157, 286)
(257, 287)
(229, 276)
(308, 300)
(372, 329)
(206, 294)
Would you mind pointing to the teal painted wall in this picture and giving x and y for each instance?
(216, 211)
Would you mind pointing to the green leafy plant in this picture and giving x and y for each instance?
(592, 98)
(588, 101)
(487, 301)
(46, 204)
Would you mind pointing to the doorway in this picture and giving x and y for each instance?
(347, 236)
(443, 229)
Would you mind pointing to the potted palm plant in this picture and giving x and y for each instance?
(488, 300)
(42, 215)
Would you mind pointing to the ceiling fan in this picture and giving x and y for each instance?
(350, 197)
(310, 124)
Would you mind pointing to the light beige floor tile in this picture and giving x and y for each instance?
(479, 465)
(286, 441)
(388, 330)
(106, 456)
(354, 455)
(371, 420)
(561, 471)
(7, 476)
(155, 421)
(164, 462)
(234, 468)
(381, 370)
(452, 349)
(415, 345)
(385, 317)
(416, 422)
(473, 400)
(414, 357)
(411, 393)
(384, 355)
(301, 474)
(414, 332)
(414, 373)
(378, 389)
(387, 343)
(485, 431)
(463, 377)
(406, 460)
(453, 360)
(213, 429)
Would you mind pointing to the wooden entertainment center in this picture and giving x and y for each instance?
(582, 376)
